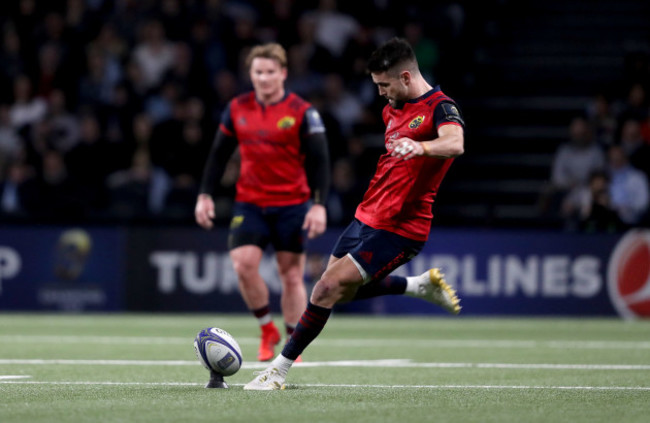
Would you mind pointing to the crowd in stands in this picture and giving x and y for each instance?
(600, 175)
(108, 107)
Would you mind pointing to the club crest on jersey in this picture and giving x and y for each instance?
(416, 122)
(286, 122)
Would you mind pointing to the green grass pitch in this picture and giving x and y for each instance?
(142, 368)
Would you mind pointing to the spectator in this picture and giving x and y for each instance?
(186, 72)
(161, 103)
(635, 148)
(11, 56)
(577, 158)
(589, 209)
(359, 46)
(346, 193)
(59, 196)
(98, 83)
(225, 87)
(26, 108)
(426, 50)
(189, 153)
(629, 189)
(207, 49)
(333, 28)
(10, 142)
(109, 42)
(602, 119)
(131, 189)
(318, 58)
(64, 126)
(153, 53)
(573, 162)
(635, 105)
(341, 103)
(245, 37)
(89, 162)
(302, 80)
(174, 18)
(51, 74)
(18, 189)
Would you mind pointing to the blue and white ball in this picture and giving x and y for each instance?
(217, 350)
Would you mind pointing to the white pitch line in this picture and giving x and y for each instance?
(351, 386)
(586, 388)
(336, 342)
(387, 363)
(8, 377)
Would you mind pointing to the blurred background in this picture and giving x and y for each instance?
(108, 109)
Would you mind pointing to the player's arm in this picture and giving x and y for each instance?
(449, 143)
(317, 169)
(215, 166)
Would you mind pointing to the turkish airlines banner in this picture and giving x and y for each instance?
(188, 269)
(494, 272)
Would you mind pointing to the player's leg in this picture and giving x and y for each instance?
(429, 286)
(288, 240)
(312, 320)
(374, 254)
(246, 261)
(339, 282)
(291, 268)
(248, 237)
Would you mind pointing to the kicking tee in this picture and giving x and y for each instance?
(401, 193)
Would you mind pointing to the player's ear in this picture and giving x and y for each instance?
(405, 77)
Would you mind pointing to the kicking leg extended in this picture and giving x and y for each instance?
(429, 286)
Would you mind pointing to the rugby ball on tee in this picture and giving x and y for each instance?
(218, 351)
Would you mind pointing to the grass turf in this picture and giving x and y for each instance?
(141, 368)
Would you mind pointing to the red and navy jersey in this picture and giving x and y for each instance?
(401, 193)
(272, 169)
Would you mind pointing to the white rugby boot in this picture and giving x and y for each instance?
(266, 380)
(431, 286)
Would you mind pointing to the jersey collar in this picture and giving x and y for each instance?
(425, 95)
(286, 94)
(400, 104)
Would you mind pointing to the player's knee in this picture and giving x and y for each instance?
(245, 268)
(291, 275)
(326, 292)
(293, 284)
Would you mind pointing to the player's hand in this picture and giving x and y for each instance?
(406, 149)
(204, 211)
(315, 221)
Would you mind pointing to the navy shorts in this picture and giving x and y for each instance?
(279, 226)
(376, 251)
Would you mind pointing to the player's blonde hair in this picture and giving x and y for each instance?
(268, 51)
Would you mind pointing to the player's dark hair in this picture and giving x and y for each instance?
(396, 51)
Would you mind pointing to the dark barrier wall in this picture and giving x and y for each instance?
(188, 269)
